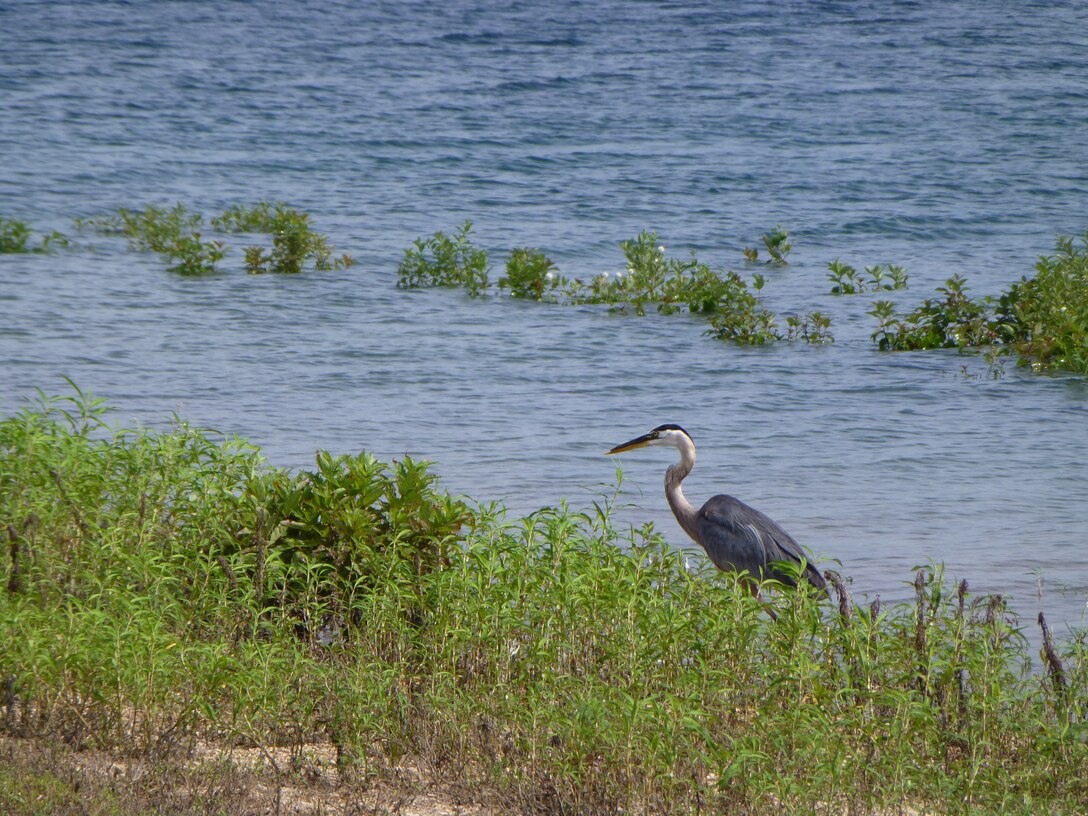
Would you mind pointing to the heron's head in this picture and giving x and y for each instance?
(669, 435)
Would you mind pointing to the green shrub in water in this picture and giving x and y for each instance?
(15, 234)
(1045, 318)
(264, 216)
(778, 246)
(954, 320)
(848, 281)
(294, 242)
(812, 327)
(532, 274)
(445, 260)
(1042, 319)
(173, 233)
(152, 228)
(193, 256)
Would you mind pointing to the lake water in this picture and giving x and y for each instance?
(944, 137)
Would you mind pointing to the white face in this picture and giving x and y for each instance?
(659, 437)
(670, 437)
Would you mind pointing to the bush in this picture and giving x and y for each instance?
(175, 234)
(445, 260)
(778, 246)
(955, 320)
(1045, 318)
(169, 590)
(848, 281)
(532, 274)
(294, 242)
(15, 234)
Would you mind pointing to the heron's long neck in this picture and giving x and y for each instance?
(681, 507)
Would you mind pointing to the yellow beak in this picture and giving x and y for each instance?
(637, 442)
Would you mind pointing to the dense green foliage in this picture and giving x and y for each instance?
(955, 320)
(294, 242)
(167, 588)
(532, 274)
(778, 246)
(1042, 319)
(1048, 313)
(846, 280)
(650, 279)
(175, 234)
(445, 260)
(15, 236)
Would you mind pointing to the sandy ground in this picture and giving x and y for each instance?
(243, 781)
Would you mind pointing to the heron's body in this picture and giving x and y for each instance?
(737, 537)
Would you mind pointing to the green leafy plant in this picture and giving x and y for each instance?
(152, 228)
(1045, 318)
(175, 234)
(169, 590)
(15, 234)
(264, 216)
(848, 281)
(294, 242)
(778, 246)
(445, 260)
(812, 327)
(319, 538)
(650, 278)
(531, 274)
(954, 320)
(193, 256)
(742, 319)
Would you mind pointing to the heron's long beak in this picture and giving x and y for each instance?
(637, 442)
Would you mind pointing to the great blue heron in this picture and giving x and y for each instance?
(735, 536)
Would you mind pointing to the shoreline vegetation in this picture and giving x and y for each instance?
(172, 604)
(1040, 320)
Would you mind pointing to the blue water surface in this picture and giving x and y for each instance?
(949, 138)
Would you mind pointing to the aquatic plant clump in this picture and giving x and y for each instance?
(846, 280)
(175, 234)
(533, 275)
(778, 246)
(650, 279)
(294, 242)
(955, 320)
(1047, 315)
(169, 590)
(1042, 319)
(445, 260)
(15, 236)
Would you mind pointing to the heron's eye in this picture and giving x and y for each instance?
(654, 435)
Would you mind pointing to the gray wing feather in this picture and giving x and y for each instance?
(738, 537)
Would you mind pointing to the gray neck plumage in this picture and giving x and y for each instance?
(681, 507)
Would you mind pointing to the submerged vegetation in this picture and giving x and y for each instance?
(846, 280)
(778, 246)
(170, 596)
(532, 274)
(294, 243)
(1042, 319)
(1048, 313)
(175, 234)
(445, 260)
(15, 236)
(650, 279)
